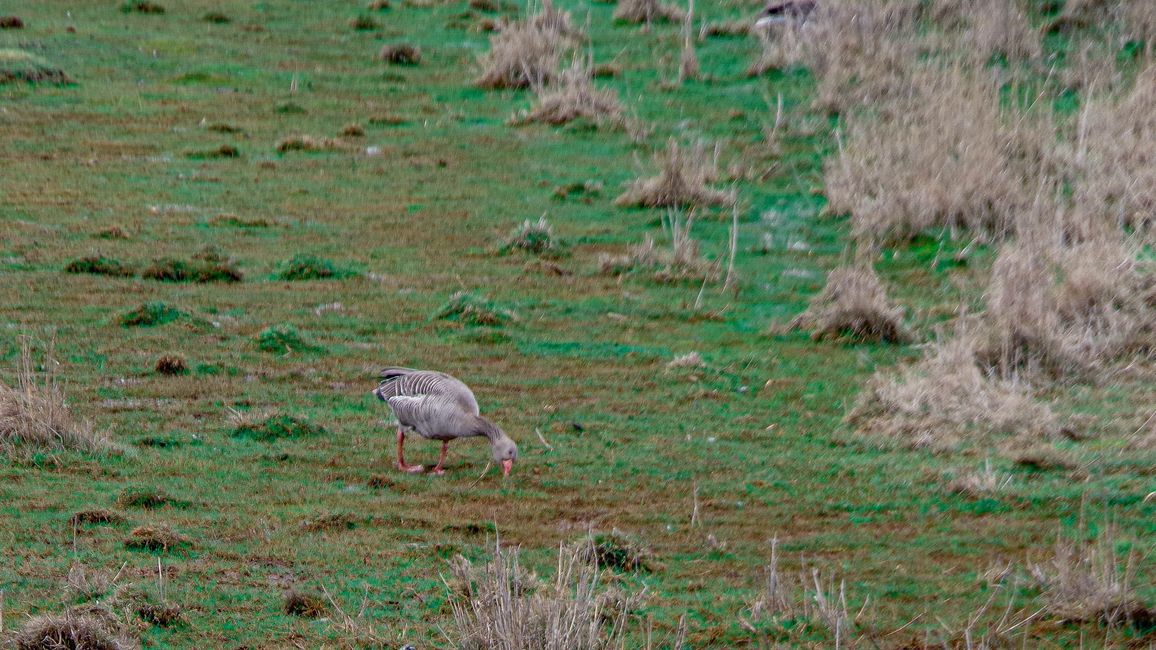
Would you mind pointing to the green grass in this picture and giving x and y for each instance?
(754, 439)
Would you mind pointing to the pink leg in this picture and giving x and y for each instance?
(439, 470)
(412, 469)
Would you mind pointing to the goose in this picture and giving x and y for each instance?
(439, 407)
(778, 12)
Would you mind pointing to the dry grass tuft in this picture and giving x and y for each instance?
(334, 521)
(647, 12)
(947, 401)
(527, 53)
(353, 130)
(860, 50)
(572, 97)
(143, 497)
(1000, 28)
(472, 309)
(690, 360)
(20, 66)
(1115, 166)
(535, 237)
(853, 305)
(11, 22)
(944, 157)
(618, 551)
(682, 181)
(500, 605)
(95, 516)
(172, 365)
(983, 482)
(307, 143)
(1056, 310)
(681, 262)
(1093, 583)
(400, 54)
(304, 605)
(85, 583)
(156, 537)
(80, 628)
(34, 415)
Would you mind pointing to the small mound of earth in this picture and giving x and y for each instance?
(18, 65)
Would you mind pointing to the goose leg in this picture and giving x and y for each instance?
(412, 469)
(439, 470)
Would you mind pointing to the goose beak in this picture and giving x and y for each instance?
(507, 465)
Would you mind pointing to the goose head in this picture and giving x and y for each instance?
(503, 447)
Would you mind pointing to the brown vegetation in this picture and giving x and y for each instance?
(157, 537)
(501, 605)
(304, 605)
(11, 22)
(77, 628)
(853, 304)
(946, 401)
(943, 157)
(682, 181)
(527, 53)
(34, 415)
(571, 97)
(647, 12)
(681, 262)
(400, 54)
(172, 364)
(307, 143)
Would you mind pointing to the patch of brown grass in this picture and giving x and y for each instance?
(11, 22)
(853, 305)
(999, 28)
(682, 182)
(572, 97)
(172, 365)
(304, 605)
(527, 53)
(502, 605)
(681, 262)
(1093, 583)
(95, 516)
(647, 11)
(860, 50)
(156, 537)
(307, 143)
(78, 628)
(946, 401)
(1056, 310)
(943, 157)
(35, 416)
(400, 54)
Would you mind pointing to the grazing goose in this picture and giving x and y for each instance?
(781, 12)
(439, 407)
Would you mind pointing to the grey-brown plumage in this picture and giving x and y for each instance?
(438, 407)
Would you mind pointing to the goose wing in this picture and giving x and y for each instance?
(431, 416)
(407, 382)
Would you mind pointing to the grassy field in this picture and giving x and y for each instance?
(128, 163)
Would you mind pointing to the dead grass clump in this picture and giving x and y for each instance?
(688, 361)
(100, 265)
(573, 97)
(142, 8)
(142, 497)
(267, 427)
(471, 309)
(163, 614)
(618, 551)
(156, 537)
(353, 131)
(34, 415)
(85, 583)
(787, 600)
(945, 157)
(11, 22)
(307, 143)
(946, 401)
(364, 23)
(1000, 28)
(1093, 583)
(400, 54)
(861, 51)
(853, 305)
(535, 237)
(304, 605)
(83, 628)
(1115, 164)
(1056, 310)
(95, 516)
(216, 18)
(172, 365)
(330, 522)
(681, 262)
(682, 181)
(500, 605)
(647, 11)
(201, 269)
(983, 482)
(526, 53)
(20, 66)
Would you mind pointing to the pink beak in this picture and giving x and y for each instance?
(507, 465)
